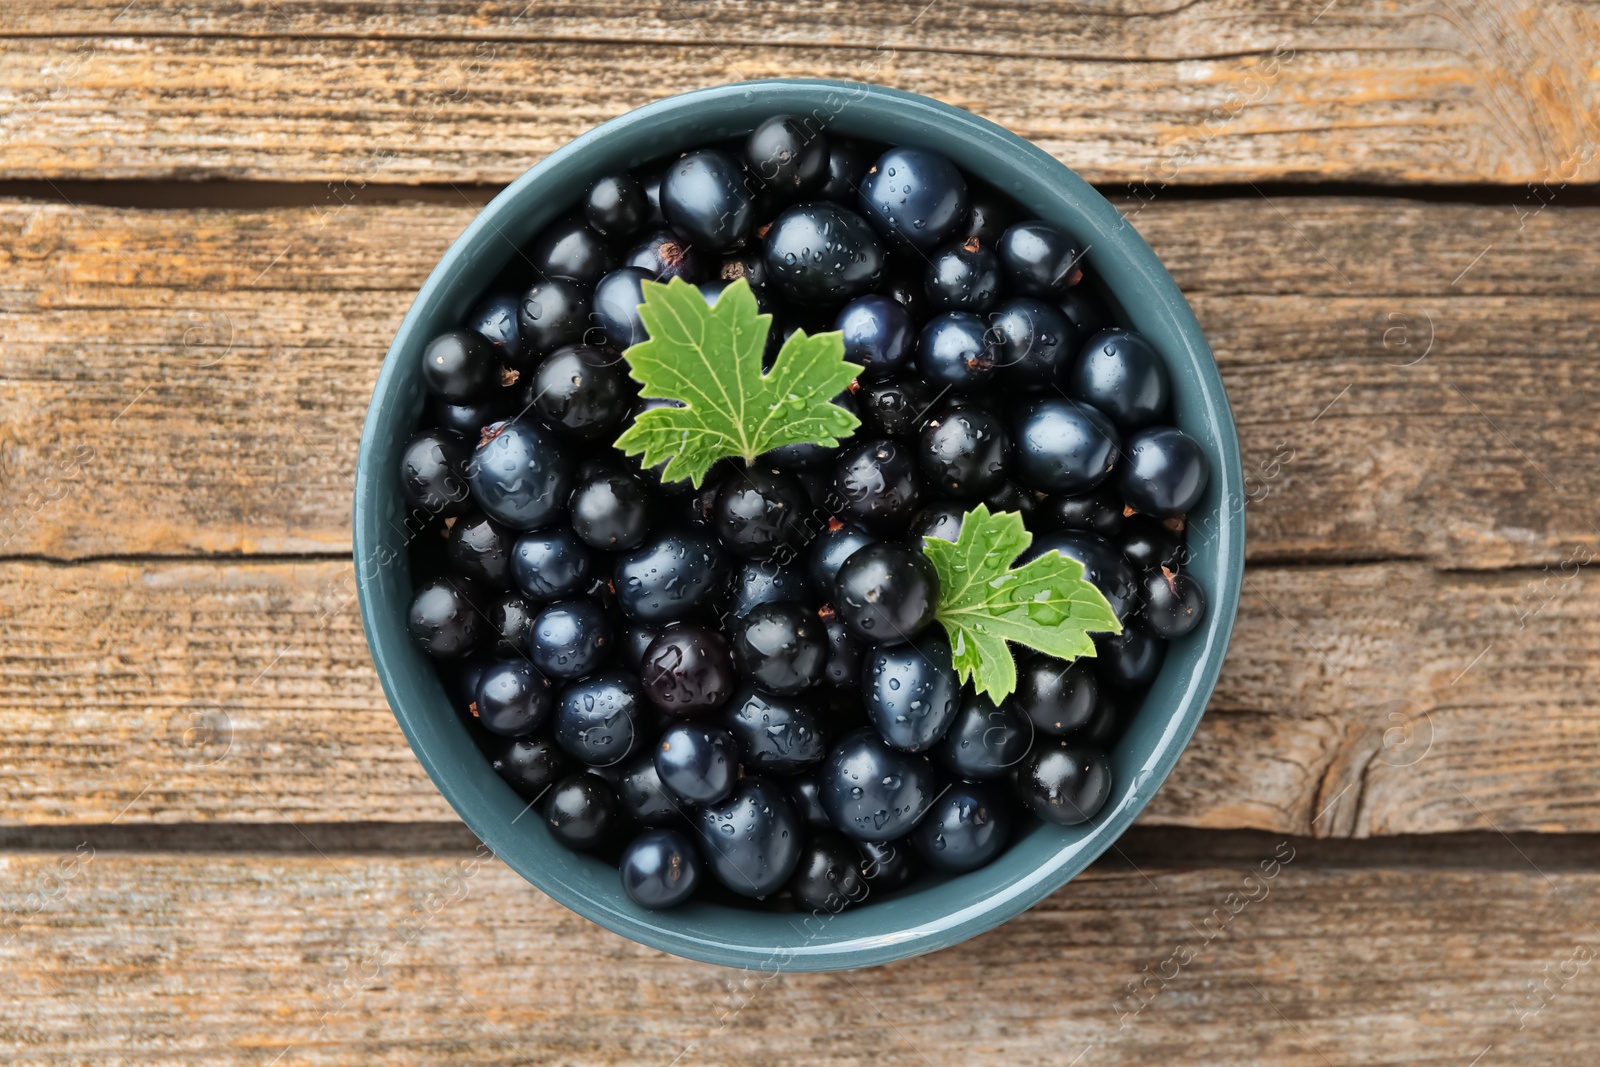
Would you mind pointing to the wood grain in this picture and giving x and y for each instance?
(1225, 90)
(174, 382)
(1356, 700)
(176, 959)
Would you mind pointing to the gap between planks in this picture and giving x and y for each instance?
(257, 194)
(1167, 847)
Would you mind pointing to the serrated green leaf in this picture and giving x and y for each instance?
(708, 357)
(1046, 604)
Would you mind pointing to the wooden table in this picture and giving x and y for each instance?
(215, 847)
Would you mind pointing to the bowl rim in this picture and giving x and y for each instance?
(1120, 244)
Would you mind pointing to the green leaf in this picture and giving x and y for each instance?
(1046, 604)
(708, 357)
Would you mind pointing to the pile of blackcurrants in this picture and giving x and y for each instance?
(745, 678)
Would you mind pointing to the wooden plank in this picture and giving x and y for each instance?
(1226, 90)
(174, 382)
(301, 960)
(1356, 700)
(1002, 27)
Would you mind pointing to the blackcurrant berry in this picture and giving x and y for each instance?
(519, 475)
(1104, 726)
(703, 196)
(1129, 661)
(616, 309)
(877, 334)
(1164, 473)
(570, 638)
(828, 878)
(896, 407)
(887, 865)
(650, 182)
(1055, 695)
(969, 825)
(776, 734)
(752, 839)
(468, 420)
(876, 482)
(460, 366)
(550, 564)
(569, 249)
(553, 313)
(1098, 512)
(712, 292)
(1151, 544)
(1034, 343)
(1121, 374)
(845, 657)
(582, 392)
(611, 511)
(510, 621)
(660, 869)
(787, 153)
(963, 276)
(1085, 311)
(530, 765)
(956, 351)
(886, 593)
(911, 692)
(763, 582)
(443, 620)
(465, 677)
(1172, 603)
(808, 804)
(835, 544)
(903, 285)
(963, 451)
(941, 519)
(601, 720)
(989, 215)
(823, 255)
(642, 796)
(433, 472)
(847, 165)
(665, 255)
(671, 576)
(480, 548)
(688, 670)
(760, 513)
(496, 319)
(914, 196)
(581, 812)
(984, 741)
(1041, 259)
(615, 206)
(513, 699)
(1064, 784)
(873, 792)
(1063, 446)
(632, 643)
(697, 764)
(781, 647)
(749, 266)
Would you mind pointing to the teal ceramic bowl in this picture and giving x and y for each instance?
(935, 913)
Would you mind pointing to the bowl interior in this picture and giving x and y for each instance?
(935, 913)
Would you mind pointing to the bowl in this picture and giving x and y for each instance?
(935, 913)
